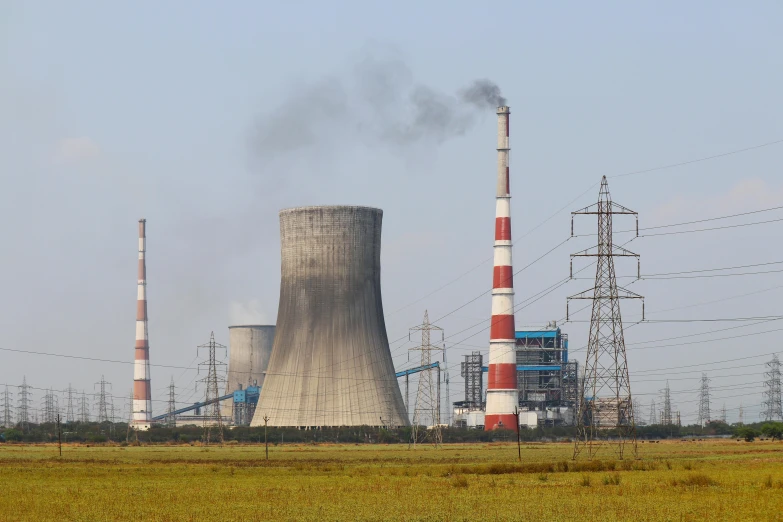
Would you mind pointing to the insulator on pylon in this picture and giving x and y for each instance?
(572, 225)
(567, 316)
(637, 226)
(571, 271)
(642, 309)
(638, 268)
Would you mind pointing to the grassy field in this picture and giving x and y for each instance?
(709, 480)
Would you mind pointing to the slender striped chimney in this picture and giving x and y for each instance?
(142, 396)
(502, 395)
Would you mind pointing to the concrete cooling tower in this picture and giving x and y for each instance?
(248, 357)
(331, 364)
(249, 349)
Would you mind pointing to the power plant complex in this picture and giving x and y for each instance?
(327, 361)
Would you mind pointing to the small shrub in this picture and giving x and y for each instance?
(668, 465)
(543, 477)
(586, 481)
(767, 482)
(695, 480)
(687, 466)
(612, 480)
(459, 482)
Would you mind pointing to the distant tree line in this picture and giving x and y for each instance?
(105, 432)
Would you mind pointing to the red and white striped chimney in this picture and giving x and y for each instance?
(142, 396)
(502, 394)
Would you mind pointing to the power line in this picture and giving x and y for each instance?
(740, 225)
(699, 160)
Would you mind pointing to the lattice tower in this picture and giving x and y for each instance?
(606, 405)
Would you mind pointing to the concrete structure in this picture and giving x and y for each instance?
(502, 379)
(331, 364)
(142, 394)
(249, 349)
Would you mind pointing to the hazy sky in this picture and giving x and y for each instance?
(207, 120)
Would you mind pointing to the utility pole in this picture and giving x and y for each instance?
(428, 401)
(519, 442)
(8, 421)
(266, 442)
(103, 413)
(69, 416)
(212, 417)
(704, 401)
(171, 421)
(59, 436)
(605, 402)
(773, 404)
(24, 404)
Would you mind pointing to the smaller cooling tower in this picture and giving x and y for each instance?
(248, 356)
(249, 348)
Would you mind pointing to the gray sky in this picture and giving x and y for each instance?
(207, 121)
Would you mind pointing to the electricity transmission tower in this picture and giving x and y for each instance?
(24, 404)
(130, 418)
(212, 417)
(773, 406)
(103, 405)
(723, 414)
(84, 409)
(427, 410)
(8, 421)
(50, 408)
(605, 402)
(704, 400)
(666, 414)
(741, 414)
(69, 412)
(170, 419)
(653, 414)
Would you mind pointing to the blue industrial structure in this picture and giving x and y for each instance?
(546, 379)
(245, 402)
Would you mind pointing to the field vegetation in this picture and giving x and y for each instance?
(690, 479)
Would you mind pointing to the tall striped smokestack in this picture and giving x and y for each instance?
(502, 395)
(142, 397)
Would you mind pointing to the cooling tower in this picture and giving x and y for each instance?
(248, 356)
(249, 349)
(331, 364)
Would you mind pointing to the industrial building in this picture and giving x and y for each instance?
(330, 364)
(547, 381)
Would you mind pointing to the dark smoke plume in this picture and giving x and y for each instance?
(377, 103)
(484, 94)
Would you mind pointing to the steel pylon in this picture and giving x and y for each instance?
(605, 416)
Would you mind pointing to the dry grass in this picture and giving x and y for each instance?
(715, 480)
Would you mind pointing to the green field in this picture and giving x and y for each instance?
(694, 480)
